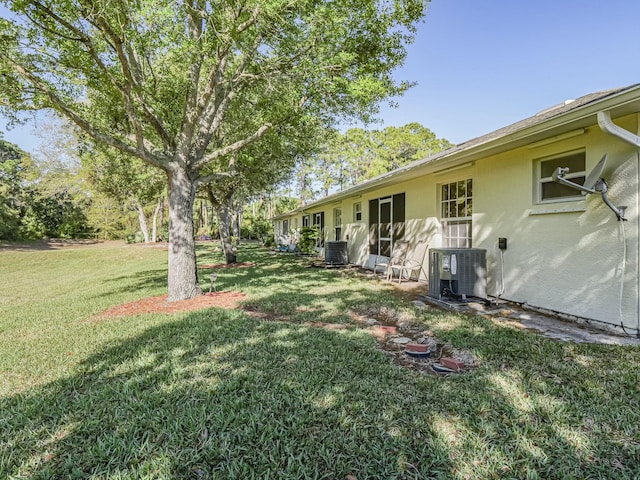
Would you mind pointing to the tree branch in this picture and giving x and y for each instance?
(82, 37)
(124, 52)
(191, 111)
(215, 99)
(254, 18)
(216, 75)
(207, 179)
(60, 105)
(148, 112)
(118, 43)
(217, 108)
(234, 147)
(47, 29)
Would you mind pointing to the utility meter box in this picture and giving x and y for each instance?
(458, 272)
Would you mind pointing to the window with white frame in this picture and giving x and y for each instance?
(337, 222)
(306, 222)
(318, 222)
(357, 212)
(456, 201)
(549, 191)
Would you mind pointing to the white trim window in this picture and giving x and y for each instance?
(456, 207)
(337, 223)
(549, 191)
(318, 222)
(357, 212)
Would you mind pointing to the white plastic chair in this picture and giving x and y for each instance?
(397, 257)
(410, 264)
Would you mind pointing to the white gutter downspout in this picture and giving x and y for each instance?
(606, 125)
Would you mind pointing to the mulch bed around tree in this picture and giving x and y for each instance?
(159, 304)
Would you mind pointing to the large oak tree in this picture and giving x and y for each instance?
(157, 78)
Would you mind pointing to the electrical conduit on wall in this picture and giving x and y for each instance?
(606, 125)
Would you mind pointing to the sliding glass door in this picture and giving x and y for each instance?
(386, 223)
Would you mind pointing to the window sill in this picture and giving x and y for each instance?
(551, 209)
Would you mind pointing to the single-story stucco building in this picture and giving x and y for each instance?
(561, 250)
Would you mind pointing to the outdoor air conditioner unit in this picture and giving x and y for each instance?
(458, 272)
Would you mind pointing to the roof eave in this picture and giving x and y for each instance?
(460, 154)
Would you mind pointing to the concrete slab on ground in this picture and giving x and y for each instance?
(546, 325)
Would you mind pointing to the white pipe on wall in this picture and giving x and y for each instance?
(607, 125)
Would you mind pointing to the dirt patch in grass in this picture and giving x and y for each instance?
(159, 304)
(228, 265)
(267, 317)
(395, 329)
(392, 329)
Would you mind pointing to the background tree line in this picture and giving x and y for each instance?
(72, 188)
(349, 158)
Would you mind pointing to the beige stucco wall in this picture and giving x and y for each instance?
(565, 256)
(562, 260)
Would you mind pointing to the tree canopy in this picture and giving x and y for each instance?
(346, 159)
(185, 85)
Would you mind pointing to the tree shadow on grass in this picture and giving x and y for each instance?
(216, 394)
(536, 406)
(43, 245)
(147, 279)
(269, 271)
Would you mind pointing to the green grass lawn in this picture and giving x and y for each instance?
(220, 394)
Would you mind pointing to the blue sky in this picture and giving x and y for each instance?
(481, 65)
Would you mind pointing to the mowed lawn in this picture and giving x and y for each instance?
(221, 394)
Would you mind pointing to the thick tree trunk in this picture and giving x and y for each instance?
(237, 219)
(154, 227)
(182, 277)
(224, 221)
(162, 213)
(142, 220)
(208, 218)
(200, 216)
